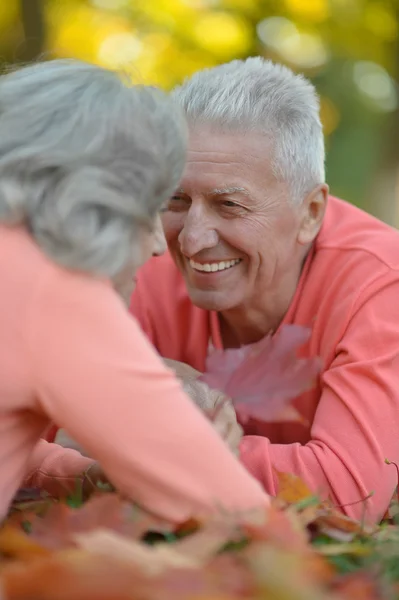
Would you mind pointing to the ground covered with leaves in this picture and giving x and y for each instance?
(107, 549)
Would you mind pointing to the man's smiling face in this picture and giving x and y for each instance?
(230, 227)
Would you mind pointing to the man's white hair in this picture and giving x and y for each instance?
(86, 161)
(258, 95)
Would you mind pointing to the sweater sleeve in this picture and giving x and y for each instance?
(55, 469)
(98, 377)
(356, 425)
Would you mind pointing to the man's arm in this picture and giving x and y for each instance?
(356, 425)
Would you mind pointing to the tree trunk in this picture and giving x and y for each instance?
(33, 24)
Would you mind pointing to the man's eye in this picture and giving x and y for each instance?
(176, 203)
(229, 203)
(170, 203)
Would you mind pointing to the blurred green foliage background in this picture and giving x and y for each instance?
(348, 48)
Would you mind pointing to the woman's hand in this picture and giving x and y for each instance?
(218, 407)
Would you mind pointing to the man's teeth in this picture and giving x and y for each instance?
(212, 267)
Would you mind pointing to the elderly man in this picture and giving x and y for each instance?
(256, 242)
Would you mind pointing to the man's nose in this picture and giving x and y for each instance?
(159, 241)
(197, 234)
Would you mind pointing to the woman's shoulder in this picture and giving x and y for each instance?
(21, 261)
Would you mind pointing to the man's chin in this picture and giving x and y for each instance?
(210, 300)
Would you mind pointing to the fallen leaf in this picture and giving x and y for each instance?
(107, 510)
(17, 545)
(291, 488)
(152, 560)
(187, 527)
(308, 515)
(226, 578)
(282, 575)
(264, 378)
(344, 548)
(281, 529)
(340, 527)
(210, 539)
(71, 575)
(358, 586)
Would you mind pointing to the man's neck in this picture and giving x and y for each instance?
(247, 326)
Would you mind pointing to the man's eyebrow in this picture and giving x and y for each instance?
(221, 191)
(229, 190)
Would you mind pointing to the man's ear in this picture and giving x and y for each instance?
(312, 214)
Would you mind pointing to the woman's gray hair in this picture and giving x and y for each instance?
(260, 96)
(86, 160)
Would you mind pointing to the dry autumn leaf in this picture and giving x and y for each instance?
(359, 586)
(107, 510)
(282, 529)
(340, 527)
(264, 378)
(71, 575)
(283, 575)
(291, 489)
(210, 539)
(17, 545)
(151, 560)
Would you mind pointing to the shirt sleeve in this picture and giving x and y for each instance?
(55, 469)
(356, 425)
(97, 376)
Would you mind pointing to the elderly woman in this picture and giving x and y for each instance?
(86, 164)
(256, 243)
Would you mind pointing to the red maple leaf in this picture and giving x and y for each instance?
(104, 511)
(264, 378)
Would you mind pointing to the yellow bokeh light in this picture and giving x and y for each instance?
(157, 50)
(169, 67)
(381, 20)
(199, 4)
(110, 4)
(245, 6)
(329, 115)
(78, 32)
(309, 10)
(223, 34)
(304, 50)
(119, 50)
(170, 12)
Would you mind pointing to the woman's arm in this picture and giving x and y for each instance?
(213, 403)
(99, 378)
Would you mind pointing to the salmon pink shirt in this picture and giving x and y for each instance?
(348, 294)
(71, 354)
